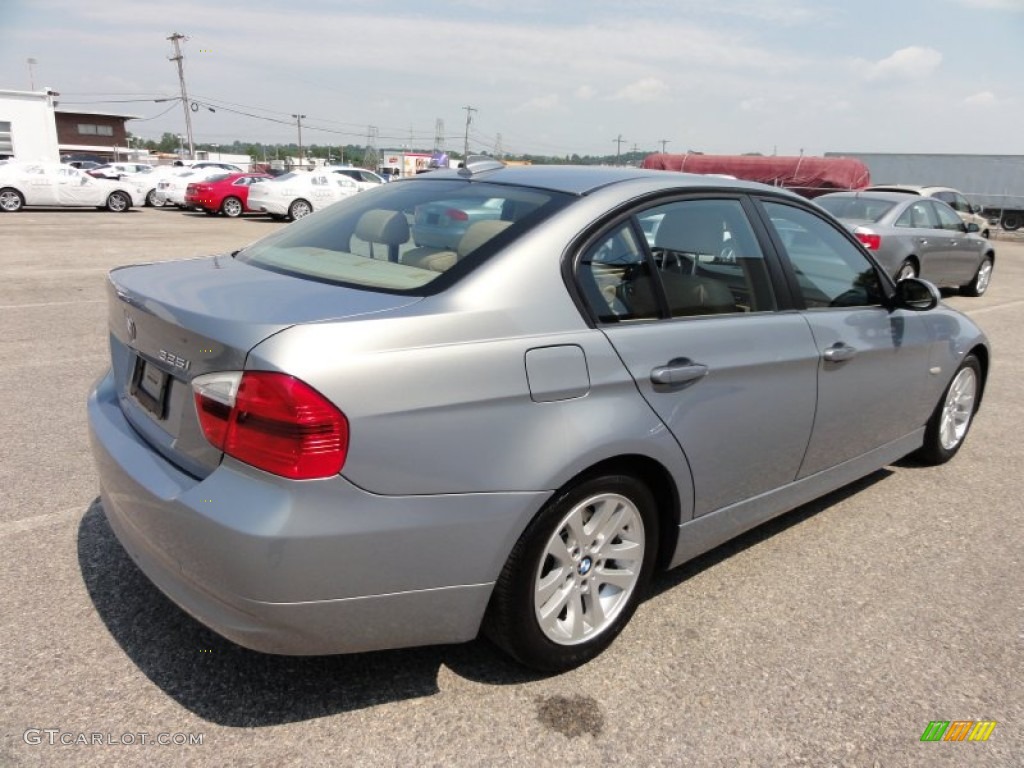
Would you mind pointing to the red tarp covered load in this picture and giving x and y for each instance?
(810, 176)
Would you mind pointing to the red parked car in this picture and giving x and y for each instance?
(227, 194)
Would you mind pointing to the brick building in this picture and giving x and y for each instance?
(99, 134)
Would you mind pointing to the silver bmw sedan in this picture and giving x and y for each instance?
(337, 440)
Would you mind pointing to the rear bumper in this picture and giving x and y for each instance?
(267, 205)
(303, 568)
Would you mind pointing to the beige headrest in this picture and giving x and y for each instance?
(478, 233)
(380, 226)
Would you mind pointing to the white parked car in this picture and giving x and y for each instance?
(363, 178)
(299, 193)
(55, 184)
(171, 189)
(118, 170)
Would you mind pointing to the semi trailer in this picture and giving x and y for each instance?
(995, 182)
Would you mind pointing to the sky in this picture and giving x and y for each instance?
(550, 77)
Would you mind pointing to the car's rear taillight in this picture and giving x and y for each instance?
(456, 215)
(272, 421)
(870, 240)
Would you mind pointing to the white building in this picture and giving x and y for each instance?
(28, 129)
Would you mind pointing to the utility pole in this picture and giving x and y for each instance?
(499, 150)
(31, 73)
(618, 147)
(179, 59)
(469, 119)
(663, 142)
(298, 120)
(438, 136)
(370, 158)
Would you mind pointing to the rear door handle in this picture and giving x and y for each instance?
(678, 373)
(839, 352)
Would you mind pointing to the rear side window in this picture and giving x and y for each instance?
(920, 215)
(948, 218)
(695, 258)
(830, 271)
(402, 237)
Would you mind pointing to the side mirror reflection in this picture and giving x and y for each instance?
(917, 294)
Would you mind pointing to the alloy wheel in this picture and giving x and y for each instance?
(590, 568)
(958, 408)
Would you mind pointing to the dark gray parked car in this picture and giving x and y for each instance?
(335, 440)
(913, 236)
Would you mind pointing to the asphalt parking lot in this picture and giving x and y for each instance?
(829, 637)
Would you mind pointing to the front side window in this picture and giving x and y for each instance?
(402, 237)
(830, 271)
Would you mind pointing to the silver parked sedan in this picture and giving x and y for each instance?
(335, 440)
(912, 236)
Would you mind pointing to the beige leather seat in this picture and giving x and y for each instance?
(476, 234)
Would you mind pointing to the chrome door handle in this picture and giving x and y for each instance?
(678, 373)
(839, 352)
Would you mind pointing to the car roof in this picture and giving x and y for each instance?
(912, 189)
(582, 179)
(873, 194)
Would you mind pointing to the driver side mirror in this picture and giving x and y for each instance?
(917, 294)
(972, 227)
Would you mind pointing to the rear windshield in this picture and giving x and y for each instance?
(856, 208)
(402, 237)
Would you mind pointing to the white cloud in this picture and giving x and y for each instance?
(995, 5)
(647, 89)
(755, 104)
(585, 93)
(981, 99)
(905, 64)
(543, 103)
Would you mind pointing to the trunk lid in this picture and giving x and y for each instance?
(172, 321)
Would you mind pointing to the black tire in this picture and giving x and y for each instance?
(11, 200)
(907, 269)
(232, 207)
(982, 279)
(299, 209)
(941, 445)
(118, 202)
(151, 200)
(1012, 221)
(512, 620)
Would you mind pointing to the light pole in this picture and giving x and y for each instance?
(31, 73)
(298, 121)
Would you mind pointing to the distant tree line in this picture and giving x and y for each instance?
(355, 153)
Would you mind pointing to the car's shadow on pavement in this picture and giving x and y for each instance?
(669, 579)
(230, 685)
